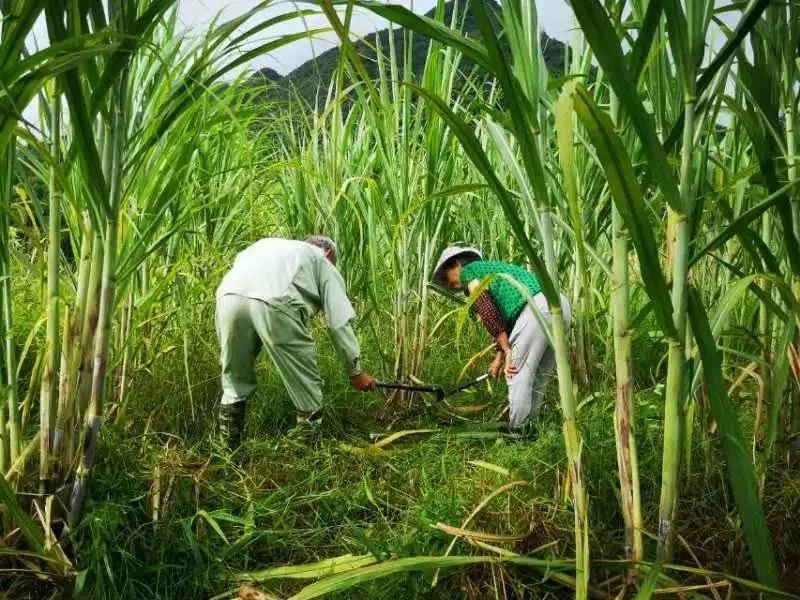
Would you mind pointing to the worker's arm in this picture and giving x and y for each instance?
(492, 320)
(490, 316)
(338, 315)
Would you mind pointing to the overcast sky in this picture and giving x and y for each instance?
(195, 16)
(555, 18)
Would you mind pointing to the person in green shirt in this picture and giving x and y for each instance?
(523, 353)
(267, 300)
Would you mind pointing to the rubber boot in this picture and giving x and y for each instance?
(310, 418)
(528, 432)
(231, 423)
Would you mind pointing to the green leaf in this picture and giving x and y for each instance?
(426, 27)
(739, 225)
(349, 579)
(644, 41)
(780, 378)
(733, 296)
(519, 107)
(628, 198)
(16, 27)
(602, 37)
(31, 532)
(679, 44)
(474, 150)
(748, 22)
(323, 568)
(741, 472)
(566, 149)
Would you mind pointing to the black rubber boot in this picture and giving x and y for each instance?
(311, 418)
(231, 423)
(528, 432)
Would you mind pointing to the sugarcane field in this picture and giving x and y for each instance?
(406, 299)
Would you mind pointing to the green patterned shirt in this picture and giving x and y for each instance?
(509, 300)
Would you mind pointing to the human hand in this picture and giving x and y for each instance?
(511, 369)
(497, 366)
(363, 382)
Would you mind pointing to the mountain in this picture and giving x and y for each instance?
(311, 79)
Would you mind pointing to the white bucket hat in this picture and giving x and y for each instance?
(449, 253)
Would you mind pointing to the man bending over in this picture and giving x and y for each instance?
(267, 301)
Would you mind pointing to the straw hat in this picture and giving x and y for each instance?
(453, 252)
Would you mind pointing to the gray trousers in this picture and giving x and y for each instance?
(535, 360)
(244, 326)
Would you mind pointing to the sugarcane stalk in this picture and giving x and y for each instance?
(106, 309)
(688, 409)
(17, 468)
(791, 70)
(9, 367)
(676, 365)
(126, 323)
(58, 428)
(50, 375)
(624, 427)
(572, 438)
(422, 340)
(64, 434)
(27, 401)
(793, 172)
(765, 337)
(89, 322)
(95, 410)
(4, 458)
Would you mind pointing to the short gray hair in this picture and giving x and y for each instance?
(326, 243)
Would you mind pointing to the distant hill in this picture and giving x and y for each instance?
(311, 79)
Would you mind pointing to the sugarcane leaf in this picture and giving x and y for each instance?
(265, 24)
(741, 472)
(679, 44)
(84, 145)
(602, 37)
(628, 199)
(521, 28)
(780, 378)
(762, 295)
(739, 225)
(398, 435)
(650, 582)
(16, 27)
(186, 94)
(31, 532)
(427, 27)
(747, 23)
(566, 151)
(265, 48)
(323, 568)
(135, 32)
(644, 41)
(473, 149)
(518, 105)
(725, 305)
(24, 79)
(757, 83)
(352, 578)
